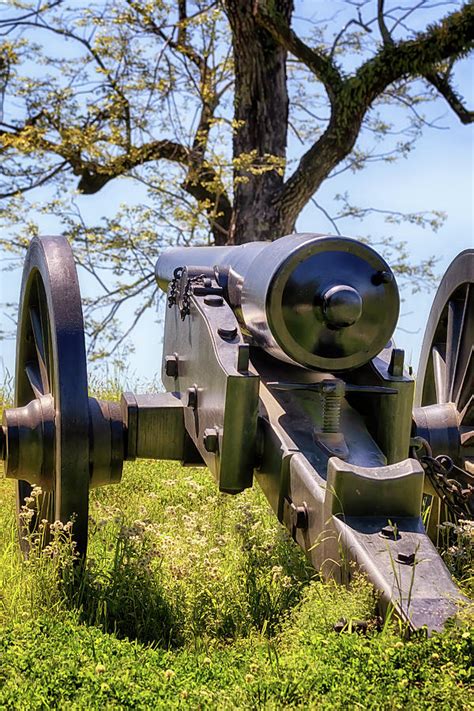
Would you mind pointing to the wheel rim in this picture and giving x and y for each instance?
(446, 370)
(447, 362)
(51, 359)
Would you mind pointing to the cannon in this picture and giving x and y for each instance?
(278, 366)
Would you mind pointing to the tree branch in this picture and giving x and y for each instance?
(94, 176)
(386, 36)
(181, 46)
(441, 83)
(11, 23)
(67, 34)
(37, 183)
(365, 26)
(451, 38)
(200, 174)
(318, 62)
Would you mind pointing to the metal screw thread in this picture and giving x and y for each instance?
(332, 394)
(331, 412)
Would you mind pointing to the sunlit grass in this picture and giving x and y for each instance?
(191, 598)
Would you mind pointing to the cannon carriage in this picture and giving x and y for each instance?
(278, 366)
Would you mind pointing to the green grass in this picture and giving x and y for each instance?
(193, 599)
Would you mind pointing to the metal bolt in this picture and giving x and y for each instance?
(382, 277)
(213, 300)
(228, 334)
(299, 516)
(192, 397)
(332, 393)
(211, 440)
(171, 365)
(406, 558)
(390, 532)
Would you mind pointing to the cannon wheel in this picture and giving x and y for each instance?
(51, 359)
(446, 370)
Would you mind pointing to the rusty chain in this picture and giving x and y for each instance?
(173, 287)
(179, 295)
(454, 486)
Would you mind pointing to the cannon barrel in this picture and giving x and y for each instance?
(324, 302)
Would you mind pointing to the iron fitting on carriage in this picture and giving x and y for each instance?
(28, 442)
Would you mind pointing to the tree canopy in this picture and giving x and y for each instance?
(230, 113)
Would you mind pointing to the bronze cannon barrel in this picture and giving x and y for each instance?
(324, 302)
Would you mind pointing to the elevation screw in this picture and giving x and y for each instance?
(332, 393)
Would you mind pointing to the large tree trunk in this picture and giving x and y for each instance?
(261, 120)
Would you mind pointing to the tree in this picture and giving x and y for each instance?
(197, 101)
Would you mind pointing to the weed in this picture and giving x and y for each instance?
(457, 549)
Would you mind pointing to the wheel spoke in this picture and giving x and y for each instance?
(467, 415)
(466, 381)
(34, 376)
(453, 341)
(46, 507)
(439, 372)
(40, 348)
(464, 366)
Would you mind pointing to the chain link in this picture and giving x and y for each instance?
(179, 295)
(173, 287)
(457, 491)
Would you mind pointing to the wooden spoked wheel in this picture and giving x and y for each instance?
(446, 373)
(51, 369)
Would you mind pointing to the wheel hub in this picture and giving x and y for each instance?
(439, 426)
(29, 442)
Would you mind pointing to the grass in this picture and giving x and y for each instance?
(192, 599)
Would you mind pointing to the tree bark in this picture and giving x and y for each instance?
(261, 123)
